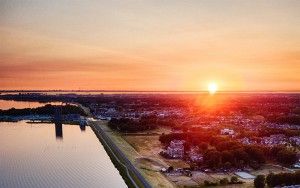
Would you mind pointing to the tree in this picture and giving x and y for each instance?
(213, 158)
(203, 146)
(227, 157)
(274, 150)
(227, 165)
(270, 180)
(283, 179)
(224, 181)
(256, 153)
(259, 181)
(287, 178)
(286, 157)
(297, 177)
(129, 125)
(206, 183)
(234, 179)
(209, 183)
(241, 157)
(170, 169)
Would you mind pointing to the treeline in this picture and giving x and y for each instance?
(131, 126)
(224, 153)
(223, 181)
(272, 131)
(283, 179)
(44, 110)
(39, 97)
(287, 119)
(283, 155)
(265, 132)
(234, 157)
(277, 180)
(227, 153)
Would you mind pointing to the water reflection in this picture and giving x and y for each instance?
(82, 126)
(58, 131)
(58, 122)
(31, 157)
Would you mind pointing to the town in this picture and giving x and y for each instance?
(193, 140)
(211, 139)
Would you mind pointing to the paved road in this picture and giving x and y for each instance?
(96, 126)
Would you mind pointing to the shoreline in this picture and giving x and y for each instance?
(133, 178)
(39, 120)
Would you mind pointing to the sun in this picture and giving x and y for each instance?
(212, 88)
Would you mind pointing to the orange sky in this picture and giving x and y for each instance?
(150, 45)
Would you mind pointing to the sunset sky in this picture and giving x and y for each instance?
(150, 45)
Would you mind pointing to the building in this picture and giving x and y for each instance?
(295, 140)
(247, 141)
(278, 139)
(227, 131)
(176, 149)
(194, 155)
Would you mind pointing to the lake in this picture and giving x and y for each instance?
(42, 155)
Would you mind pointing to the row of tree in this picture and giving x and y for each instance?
(293, 119)
(283, 155)
(44, 110)
(239, 158)
(281, 179)
(224, 181)
(130, 125)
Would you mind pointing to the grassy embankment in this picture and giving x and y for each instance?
(118, 161)
(153, 176)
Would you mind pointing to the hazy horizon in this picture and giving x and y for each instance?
(148, 91)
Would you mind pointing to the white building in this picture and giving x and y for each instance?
(278, 139)
(247, 141)
(194, 155)
(176, 149)
(227, 131)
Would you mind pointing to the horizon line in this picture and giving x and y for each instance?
(149, 91)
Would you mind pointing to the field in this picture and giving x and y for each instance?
(149, 167)
(268, 168)
(150, 146)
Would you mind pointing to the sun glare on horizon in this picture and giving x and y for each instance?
(212, 88)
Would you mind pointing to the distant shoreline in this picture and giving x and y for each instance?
(141, 91)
